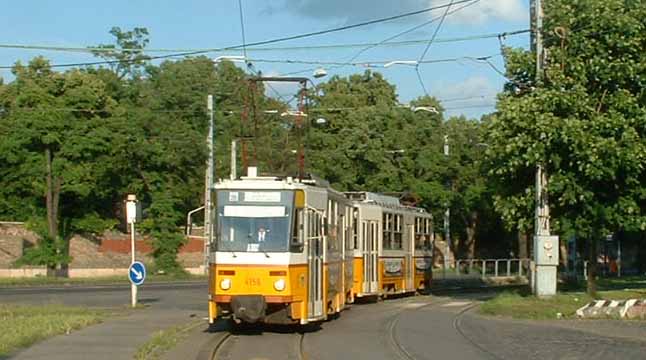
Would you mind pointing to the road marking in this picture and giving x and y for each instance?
(413, 305)
(457, 303)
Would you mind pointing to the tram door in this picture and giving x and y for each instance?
(370, 231)
(410, 258)
(315, 264)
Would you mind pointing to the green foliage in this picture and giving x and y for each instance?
(141, 128)
(92, 223)
(586, 122)
(127, 53)
(371, 143)
(163, 217)
(48, 253)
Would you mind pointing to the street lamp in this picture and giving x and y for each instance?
(232, 58)
(401, 62)
(430, 109)
(319, 73)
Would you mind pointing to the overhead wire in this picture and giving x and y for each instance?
(267, 49)
(244, 49)
(428, 46)
(416, 27)
(266, 42)
(244, 39)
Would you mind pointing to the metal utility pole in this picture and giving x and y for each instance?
(546, 247)
(233, 173)
(208, 186)
(447, 215)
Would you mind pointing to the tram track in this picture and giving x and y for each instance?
(457, 321)
(404, 354)
(219, 344)
(394, 343)
(225, 346)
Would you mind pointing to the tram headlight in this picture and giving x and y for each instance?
(225, 284)
(279, 284)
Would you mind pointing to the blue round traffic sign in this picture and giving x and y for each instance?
(137, 273)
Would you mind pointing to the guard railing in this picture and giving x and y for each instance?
(482, 268)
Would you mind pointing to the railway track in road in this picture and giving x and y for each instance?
(397, 347)
(234, 346)
(457, 326)
(405, 354)
(277, 343)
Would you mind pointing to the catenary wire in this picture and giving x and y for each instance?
(428, 46)
(269, 49)
(407, 31)
(270, 41)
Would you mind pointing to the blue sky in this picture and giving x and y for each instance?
(212, 24)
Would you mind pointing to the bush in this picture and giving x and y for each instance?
(92, 223)
(161, 224)
(49, 252)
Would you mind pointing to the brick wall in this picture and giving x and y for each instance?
(11, 248)
(110, 251)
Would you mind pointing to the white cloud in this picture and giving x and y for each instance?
(471, 96)
(273, 89)
(488, 10)
(354, 11)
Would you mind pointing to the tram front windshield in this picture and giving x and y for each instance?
(254, 221)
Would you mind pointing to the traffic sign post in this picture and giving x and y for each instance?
(137, 270)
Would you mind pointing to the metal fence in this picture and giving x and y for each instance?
(482, 269)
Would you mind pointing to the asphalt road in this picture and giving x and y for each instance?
(190, 296)
(421, 327)
(433, 328)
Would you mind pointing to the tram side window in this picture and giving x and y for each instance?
(333, 225)
(355, 228)
(387, 231)
(422, 234)
(392, 231)
(397, 233)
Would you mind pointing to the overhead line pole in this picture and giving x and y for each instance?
(447, 214)
(208, 184)
(546, 247)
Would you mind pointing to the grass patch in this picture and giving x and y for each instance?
(520, 305)
(108, 280)
(523, 305)
(164, 340)
(21, 326)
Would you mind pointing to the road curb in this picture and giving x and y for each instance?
(631, 309)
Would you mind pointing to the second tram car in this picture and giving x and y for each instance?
(296, 251)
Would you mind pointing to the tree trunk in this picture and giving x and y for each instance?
(472, 225)
(52, 209)
(52, 196)
(522, 245)
(563, 252)
(592, 268)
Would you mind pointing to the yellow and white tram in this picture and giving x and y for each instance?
(393, 245)
(296, 251)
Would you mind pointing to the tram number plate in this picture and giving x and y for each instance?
(254, 282)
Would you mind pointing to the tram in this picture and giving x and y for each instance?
(296, 251)
(392, 246)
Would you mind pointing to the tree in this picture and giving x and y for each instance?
(370, 142)
(53, 134)
(127, 56)
(586, 123)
